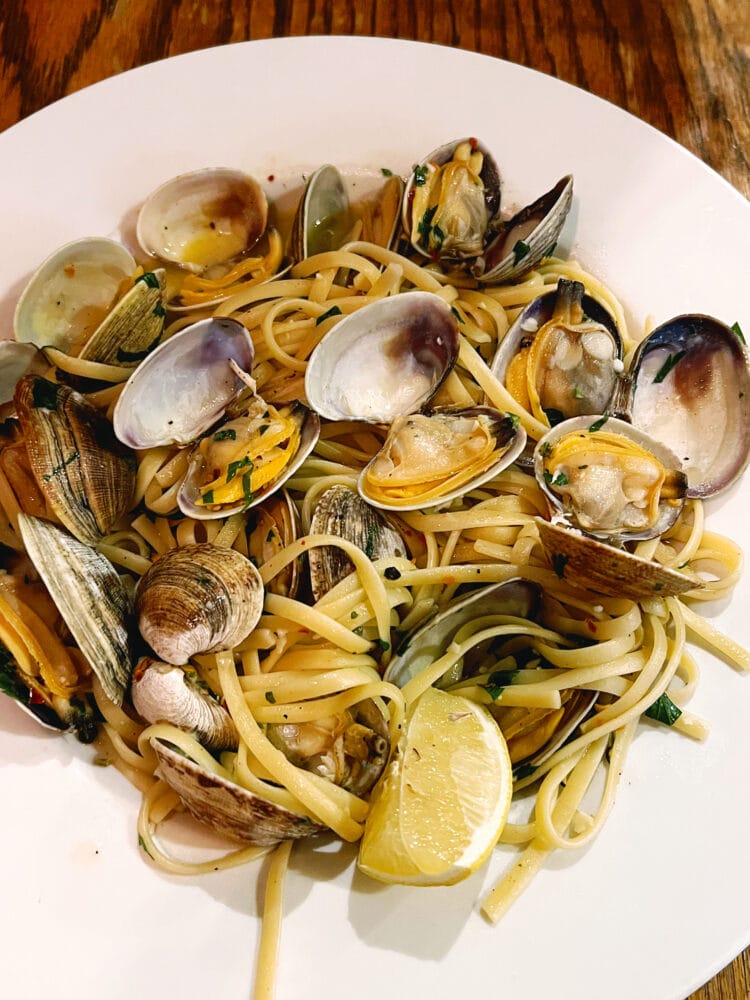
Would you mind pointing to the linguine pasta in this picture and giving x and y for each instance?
(305, 662)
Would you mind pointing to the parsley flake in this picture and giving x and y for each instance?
(736, 328)
(270, 697)
(420, 175)
(228, 434)
(333, 311)
(520, 250)
(598, 424)
(668, 365)
(664, 710)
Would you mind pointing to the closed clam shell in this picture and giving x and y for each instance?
(163, 692)
(84, 472)
(89, 595)
(198, 599)
(341, 511)
(229, 809)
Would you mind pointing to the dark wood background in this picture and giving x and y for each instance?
(681, 65)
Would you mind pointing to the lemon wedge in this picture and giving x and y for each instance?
(444, 798)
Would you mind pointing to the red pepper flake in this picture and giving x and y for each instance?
(591, 626)
(271, 178)
(303, 542)
(70, 270)
(35, 698)
(473, 143)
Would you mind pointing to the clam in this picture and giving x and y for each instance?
(133, 327)
(196, 599)
(90, 597)
(387, 359)
(202, 219)
(247, 458)
(610, 479)
(562, 356)
(424, 645)
(534, 734)
(71, 293)
(525, 239)
(341, 511)
(183, 387)
(325, 218)
(451, 201)
(435, 457)
(276, 525)
(85, 474)
(690, 388)
(229, 809)
(163, 692)
(610, 483)
(349, 748)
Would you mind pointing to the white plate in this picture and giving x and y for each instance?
(660, 901)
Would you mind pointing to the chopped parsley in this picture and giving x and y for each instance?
(386, 172)
(577, 393)
(149, 278)
(208, 496)
(668, 365)
(382, 644)
(425, 224)
(142, 845)
(498, 681)
(234, 467)
(333, 311)
(438, 236)
(546, 449)
(457, 314)
(664, 710)
(270, 697)
(736, 328)
(520, 250)
(247, 491)
(228, 434)
(420, 175)
(559, 480)
(515, 420)
(598, 424)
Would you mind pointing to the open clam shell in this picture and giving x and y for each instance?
(562, 356)
(435, 457)
(183, 387)
(526, 238)
(690, 388)
(324, 218)
(277, 524)
(229, 809)
(519, 598)
(89, 595)
(610, 479)
(387, 359)
(133, 327)
(591, 565)
(71, 292)
(341, 511)
(197, 599)
(451, 200)
(204, 218)
(193, 489)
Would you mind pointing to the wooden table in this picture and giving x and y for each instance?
(680, 65)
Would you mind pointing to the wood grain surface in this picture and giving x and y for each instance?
(681, 65)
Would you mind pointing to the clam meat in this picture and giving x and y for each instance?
(432, 458)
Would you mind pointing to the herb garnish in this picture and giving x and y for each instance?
(270, 697)
(498, 681)
(736, 328)
(420, 175)
(457, 314)
(149, 278)
(664, 710)
(598, 424)
(234, 467)
(668, 365)
(228, 434)
(520, 250)
(333, 311)
(386, 172)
